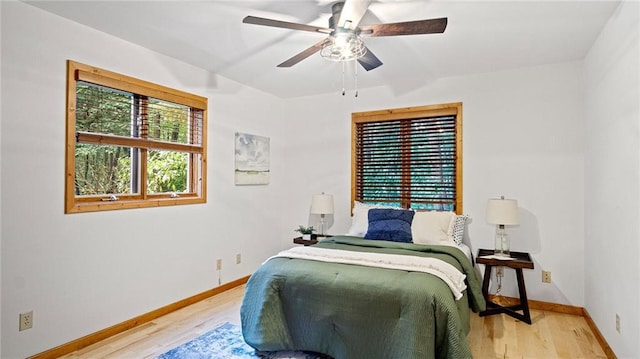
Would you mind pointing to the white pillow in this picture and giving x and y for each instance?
(433, 227)
(360, 220)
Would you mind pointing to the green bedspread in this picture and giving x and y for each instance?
(351, 311)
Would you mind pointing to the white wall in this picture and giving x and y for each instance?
(0, 189)
(84, 272)
(612, 181)
(522, 138)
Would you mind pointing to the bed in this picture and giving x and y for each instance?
(357, 297)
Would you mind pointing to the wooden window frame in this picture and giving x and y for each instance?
(198, 151)
(446, 109)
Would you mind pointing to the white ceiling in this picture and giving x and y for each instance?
(481, 36)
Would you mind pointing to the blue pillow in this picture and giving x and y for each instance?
(390, 225)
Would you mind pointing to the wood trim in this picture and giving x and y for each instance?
(70, 144)
(131, 323)
(124, 141)
(536, 304)
(408, 112)
(353, 164)
(565, 309)
(83, 207)
(459, 167)
(110, 79)
(599, 337)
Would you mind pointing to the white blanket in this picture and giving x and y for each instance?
(443, 270)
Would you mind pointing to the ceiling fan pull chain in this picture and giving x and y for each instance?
(343, 90)
(355, 65)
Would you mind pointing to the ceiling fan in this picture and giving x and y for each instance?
(344, 42)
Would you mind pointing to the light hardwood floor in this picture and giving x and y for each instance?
(552, 335)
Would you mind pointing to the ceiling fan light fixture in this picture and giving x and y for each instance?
(343, 46)
(344, 42)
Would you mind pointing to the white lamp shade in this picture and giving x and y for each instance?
(322, 204)
(502, 211)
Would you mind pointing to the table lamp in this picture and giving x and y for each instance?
(502, 212)
(322, 204)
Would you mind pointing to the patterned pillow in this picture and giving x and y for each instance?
(390, 225)
(458, 228)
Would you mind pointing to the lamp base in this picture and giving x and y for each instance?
(322, 224)
(501, 242)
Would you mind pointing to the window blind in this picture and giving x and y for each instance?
(409, 163)
(106, 115)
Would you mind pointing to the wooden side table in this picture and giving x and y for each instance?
(309, 242)
(306, 242)
(518, 261)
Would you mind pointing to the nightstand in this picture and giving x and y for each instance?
(306, 242)
(518, 261)
(314, 239)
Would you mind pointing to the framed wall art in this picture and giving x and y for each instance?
(251, 159)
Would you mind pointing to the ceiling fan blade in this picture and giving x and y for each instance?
(369, 61)
(284, 24)
(304, 54)
(431, 26)
(352, 13)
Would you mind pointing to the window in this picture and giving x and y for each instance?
(408, 157)
(131, 143)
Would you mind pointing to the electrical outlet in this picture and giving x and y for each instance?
(238, 258)
(500, 271)
(617, 322)
(546, 276)
(26, 321)
(219, 264)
